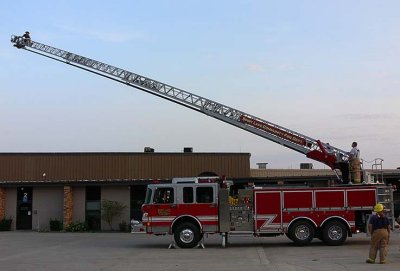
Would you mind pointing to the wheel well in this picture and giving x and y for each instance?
(183, 219)
(302, 219)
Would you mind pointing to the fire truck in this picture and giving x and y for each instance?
(190, 209)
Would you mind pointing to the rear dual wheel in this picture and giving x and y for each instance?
(334, 233)
(301, 232)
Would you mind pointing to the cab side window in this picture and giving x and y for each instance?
(187, 195)
(204, 195)
(164, 195)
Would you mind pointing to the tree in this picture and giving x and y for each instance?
(111, 209)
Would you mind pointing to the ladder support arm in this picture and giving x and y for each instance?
(312, 148)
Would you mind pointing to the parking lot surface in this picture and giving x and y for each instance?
(20, 250)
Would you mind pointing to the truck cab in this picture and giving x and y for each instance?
(186, 210)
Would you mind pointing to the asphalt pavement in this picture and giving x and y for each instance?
(26, 250)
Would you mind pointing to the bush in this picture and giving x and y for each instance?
(123, 226)
(77, 227)
(56, 225)
(5, 224)
(111, 209)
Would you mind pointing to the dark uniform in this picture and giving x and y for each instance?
(27, 38)
(379, 226)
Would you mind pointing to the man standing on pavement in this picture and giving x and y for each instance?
(379, 227)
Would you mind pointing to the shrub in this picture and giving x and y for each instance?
(111, 209)
(56, 225)
(123, 226)
(77, 227)
(5, 224)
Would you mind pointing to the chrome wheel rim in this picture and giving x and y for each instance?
(335, 233)
(302, 232)
(187, 236)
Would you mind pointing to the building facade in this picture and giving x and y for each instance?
(70, 187)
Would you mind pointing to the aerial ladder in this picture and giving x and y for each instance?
(314, 149)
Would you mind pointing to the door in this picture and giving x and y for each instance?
(138, 194)
(164, 209)
(93, 207)
(24, 208)
(200, 202)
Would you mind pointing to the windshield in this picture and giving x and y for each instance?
(148, 196)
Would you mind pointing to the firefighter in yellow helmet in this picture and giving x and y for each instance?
(379, 227)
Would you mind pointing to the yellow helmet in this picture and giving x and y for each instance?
(378, 207)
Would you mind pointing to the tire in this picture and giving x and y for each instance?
(301, 232)
(288, 236)
(334, 233)
(187, 235)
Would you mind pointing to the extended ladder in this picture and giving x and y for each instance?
(312, 148)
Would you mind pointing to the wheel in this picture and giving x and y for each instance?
(301, 232)
(187, 235)
(334, 233)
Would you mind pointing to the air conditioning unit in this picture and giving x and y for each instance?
(185, 180)
(148, 149)
(306, 166)
(262, 165)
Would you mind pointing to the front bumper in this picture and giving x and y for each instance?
(137, 227)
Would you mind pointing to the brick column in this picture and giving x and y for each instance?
(2, 203)
(68, 205)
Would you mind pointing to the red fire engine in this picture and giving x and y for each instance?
(190, 210)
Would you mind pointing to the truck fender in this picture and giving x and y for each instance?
(181, 218)
(302, 218)
(337, 218)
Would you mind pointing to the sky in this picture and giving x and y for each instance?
(325, 69)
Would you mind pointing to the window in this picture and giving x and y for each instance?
(93, 193)
(164, 195)
(93, 205)
(188, 195)
(148, 196)
(204, 195)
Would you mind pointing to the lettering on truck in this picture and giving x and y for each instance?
(273, 130)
